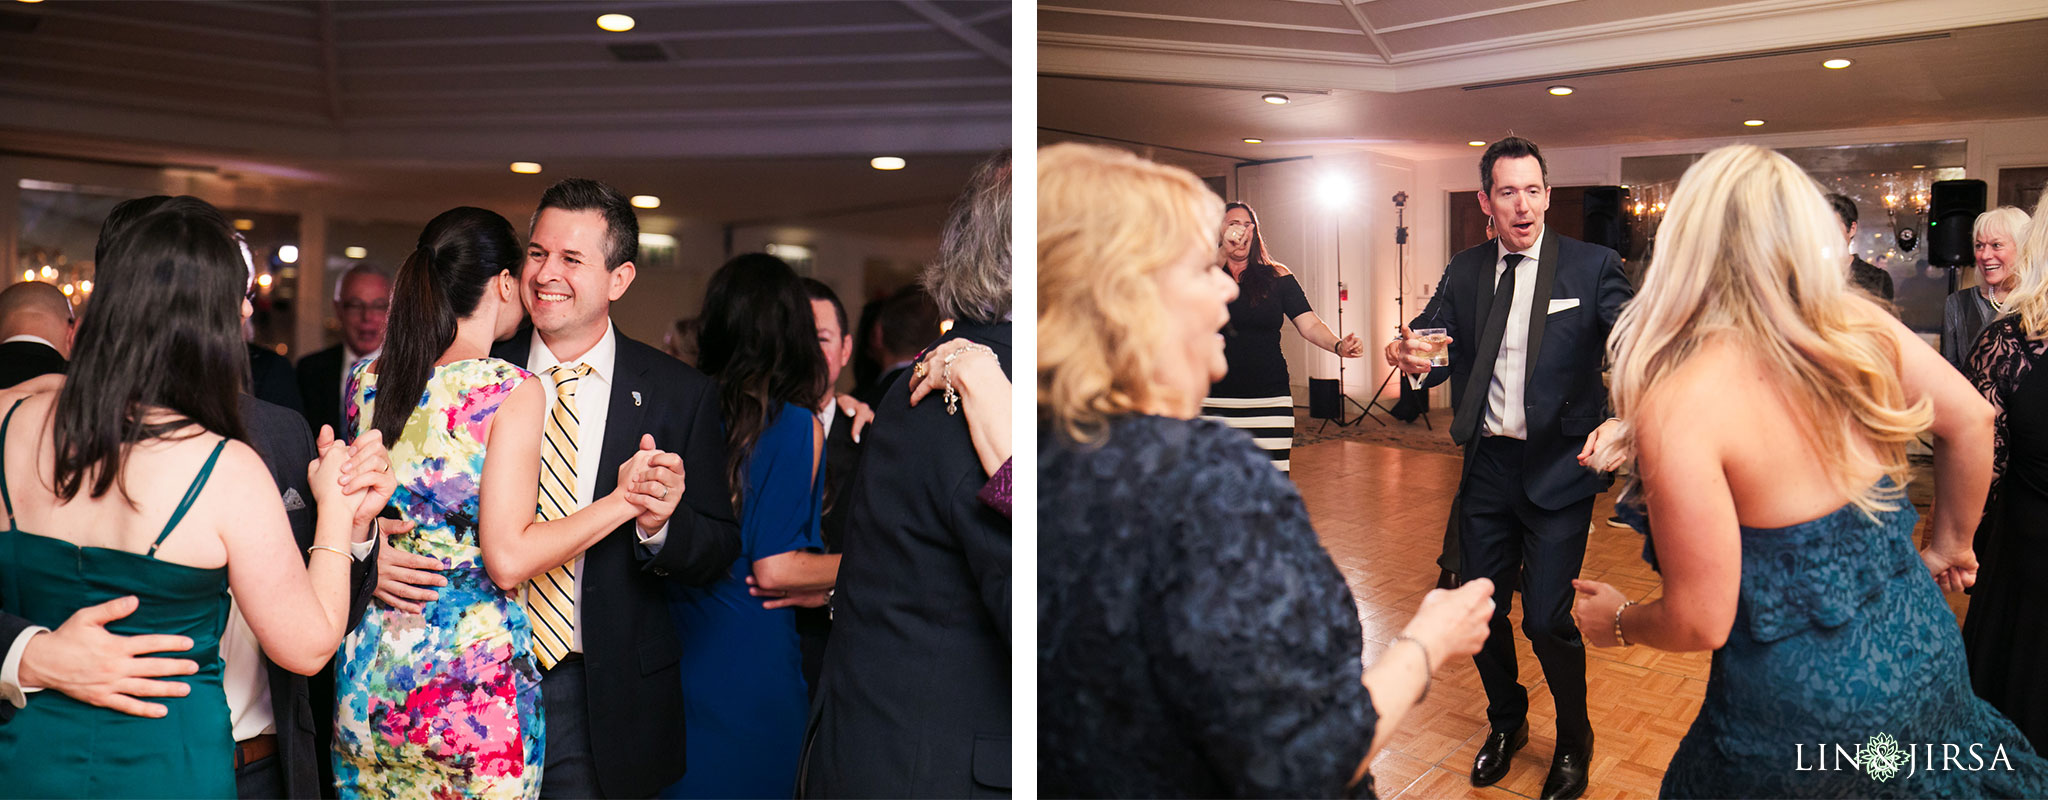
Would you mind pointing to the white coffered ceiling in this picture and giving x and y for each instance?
(1419, 78)
(369, 92)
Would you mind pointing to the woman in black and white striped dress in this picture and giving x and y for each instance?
(1254, 396)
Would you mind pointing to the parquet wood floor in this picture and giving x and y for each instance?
(1380, 512)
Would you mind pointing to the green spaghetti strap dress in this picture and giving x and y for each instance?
(60, 747)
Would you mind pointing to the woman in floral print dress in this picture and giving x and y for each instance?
(445, 702)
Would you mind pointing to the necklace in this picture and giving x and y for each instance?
(1991, 294)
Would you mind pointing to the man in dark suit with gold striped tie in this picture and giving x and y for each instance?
(609, 656)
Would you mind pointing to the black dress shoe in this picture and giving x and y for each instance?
(1492, 762)
(1567, 780)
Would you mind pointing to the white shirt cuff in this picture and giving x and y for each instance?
(652, 543)
(10, 669)
(361, 550)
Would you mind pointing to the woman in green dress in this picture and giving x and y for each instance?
(131, 480)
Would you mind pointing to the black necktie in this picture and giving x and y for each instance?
(1466, 422)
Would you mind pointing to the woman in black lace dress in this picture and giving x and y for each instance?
(1194, 637)
(2008, 647)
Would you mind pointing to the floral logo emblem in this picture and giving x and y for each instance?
(1881, 757)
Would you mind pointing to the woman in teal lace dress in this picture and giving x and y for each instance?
(445, 702)
(1768, 408)
(131, 481)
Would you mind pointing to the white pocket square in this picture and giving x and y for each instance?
(1565, 304)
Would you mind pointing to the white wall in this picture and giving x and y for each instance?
(1332, 219)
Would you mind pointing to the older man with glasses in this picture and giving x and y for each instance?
(362, 303)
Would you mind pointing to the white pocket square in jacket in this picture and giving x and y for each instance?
(1565, 304)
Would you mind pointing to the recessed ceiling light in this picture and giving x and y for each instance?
(1476, 143)
(526, 167)
(245, 224)
(1276, 99)
(616, 23)
(646, 201)
(1837, 63)
(288, 254)
(1919, 166)
(1754, 123)
(1560, 90)
(1254, 141)
(355, 252)
(31, 1)
(886, 163)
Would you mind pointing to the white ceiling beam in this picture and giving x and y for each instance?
(1358, 15)
(1490, 12)
(1218, 21)
(680, 65)
(722, 34)
(670, 90)
(465, 9)
(330, 61)
(272, 8)
(958, 128)
(74, 13)
(959, 30)
(680, 116)
(1746, 28)
(227, 88)
(75, 43)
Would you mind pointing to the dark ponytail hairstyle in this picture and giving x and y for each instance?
(441, 282)
(1259, 273)
(759, 341)
(163, 333)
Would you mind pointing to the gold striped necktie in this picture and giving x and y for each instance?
(551, 598)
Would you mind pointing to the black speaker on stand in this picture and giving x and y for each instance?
(1952, 211)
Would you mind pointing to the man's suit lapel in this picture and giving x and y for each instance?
(1471, 405)
(622, 426)
(1539, 304)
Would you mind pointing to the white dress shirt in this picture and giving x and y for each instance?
(29, 337)
(241, 676)
(1504, 404)
(593, 410)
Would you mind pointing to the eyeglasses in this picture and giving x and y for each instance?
(358, 308)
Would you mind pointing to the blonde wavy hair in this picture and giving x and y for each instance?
(2030, 301)
(1750, 250)
(1107, 220)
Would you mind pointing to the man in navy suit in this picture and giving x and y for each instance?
(1529, 313)
(613, 702)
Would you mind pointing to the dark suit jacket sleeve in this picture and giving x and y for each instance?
(703, 537)
(287, 446)
(984, 538)
(11, 630)
(1614, 292)
(1438, 314)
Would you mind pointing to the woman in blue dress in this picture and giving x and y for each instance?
(1768, 408)
(744, 698)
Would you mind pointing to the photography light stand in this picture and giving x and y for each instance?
(1344, 294)
(1400, 303)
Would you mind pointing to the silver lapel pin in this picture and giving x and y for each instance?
(636, 399)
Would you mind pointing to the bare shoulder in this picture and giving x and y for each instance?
(238, 461)
(1720, 380)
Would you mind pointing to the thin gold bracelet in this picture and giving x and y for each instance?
(335, 550)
